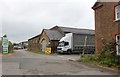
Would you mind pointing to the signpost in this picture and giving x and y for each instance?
(5, 44)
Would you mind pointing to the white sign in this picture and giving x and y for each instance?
(5, 44)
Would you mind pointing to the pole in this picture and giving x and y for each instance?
(85, 43)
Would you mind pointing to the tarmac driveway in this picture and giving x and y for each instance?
(27, 63)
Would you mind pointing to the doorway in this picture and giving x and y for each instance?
(44, 44)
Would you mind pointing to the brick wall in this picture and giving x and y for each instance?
(49, 43)
(44, 37)
(54, 44)
(105, 25)
(33, 43)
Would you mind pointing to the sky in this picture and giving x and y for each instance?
(23, 19)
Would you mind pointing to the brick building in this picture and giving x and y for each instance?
(50, 38)
(107, 22)
(33, 43)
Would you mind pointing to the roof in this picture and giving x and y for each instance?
(97, 5)
(56, 35)
(34, 37)
(77, 30)
(53, 34)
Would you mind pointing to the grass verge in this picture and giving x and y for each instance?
(93, 59)
(38, 52)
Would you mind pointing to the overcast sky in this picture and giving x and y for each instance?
(23, 19)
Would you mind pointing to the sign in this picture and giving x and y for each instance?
(5, 44)
(47, 50)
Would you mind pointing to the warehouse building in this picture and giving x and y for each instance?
(50, 37)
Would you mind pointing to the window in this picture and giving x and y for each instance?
(61, 44)
(117, 12)
(118, 44)
(66, 43)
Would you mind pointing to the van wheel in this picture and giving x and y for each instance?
(69, 52)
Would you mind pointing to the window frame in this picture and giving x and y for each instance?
(117, 46)
(116, 12)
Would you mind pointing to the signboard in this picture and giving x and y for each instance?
(47, 50)
(118, 44)
(5, 44)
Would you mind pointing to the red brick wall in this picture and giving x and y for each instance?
(105, 25)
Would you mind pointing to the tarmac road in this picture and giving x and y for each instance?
(27, 63)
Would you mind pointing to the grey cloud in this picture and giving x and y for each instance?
(22, 19)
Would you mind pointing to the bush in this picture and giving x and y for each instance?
(106, 57)
(87, 57)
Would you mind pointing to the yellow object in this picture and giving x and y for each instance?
(47, 50)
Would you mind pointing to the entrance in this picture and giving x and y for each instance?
(43, 45)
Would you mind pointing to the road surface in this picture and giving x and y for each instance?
(27, 63)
